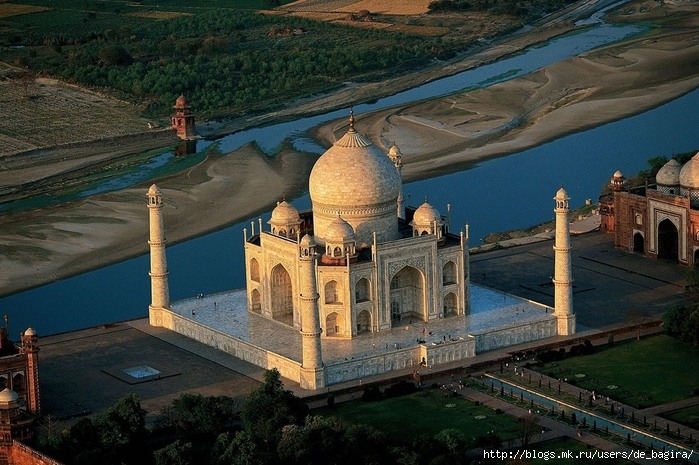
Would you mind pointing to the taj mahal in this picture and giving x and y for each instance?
(360, 284)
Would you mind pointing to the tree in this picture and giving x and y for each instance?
(177, 453)
(238, 449)
(527, 427)
(122, 428)
(269, 408)
(453, 440)
(197, 415)
(26, 81)
(637, 317)
(682, 322)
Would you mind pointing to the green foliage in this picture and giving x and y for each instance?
(238, 449)
(454, 441)
(526, 9)
(682, 322)
(647, 176)
(177, 453)
(225, 63)
(270, 408)
(197, 415)
(122, 423)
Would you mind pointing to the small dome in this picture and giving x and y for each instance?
(563, 195)
(7, 396)
(181, 102)
(669, 174)
(617, 174)
(689, 175)
(394, 151)
(307, 241)
(30, 332)
(153, 191)
(285, 213)
(426, 214)
(339, 231)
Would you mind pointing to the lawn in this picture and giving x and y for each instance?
(687, 416)
(425, 413)
(652, 371)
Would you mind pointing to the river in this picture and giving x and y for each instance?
(500, 194)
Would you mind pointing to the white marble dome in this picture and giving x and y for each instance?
(669, 174)
(285, 213)
(339, 231)
(307, 241)
(426, 214)
(689, 175)
(356, 180)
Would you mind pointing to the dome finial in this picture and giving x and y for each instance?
(351, 121)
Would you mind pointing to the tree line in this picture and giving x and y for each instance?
(224, 61)
(271, 427)
(528, 10)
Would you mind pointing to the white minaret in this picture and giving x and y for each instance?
(563, 274)
(160, 293)
(312, 371)
(397, 159)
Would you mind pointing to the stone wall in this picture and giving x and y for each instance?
(399, 359)
(21, 454)
(511, 335)
(288, 368)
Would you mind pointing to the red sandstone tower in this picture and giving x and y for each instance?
(183, 119)
(31, 349)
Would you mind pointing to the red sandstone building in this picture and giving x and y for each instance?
(660, 221)
(19, 399)
(183, 119)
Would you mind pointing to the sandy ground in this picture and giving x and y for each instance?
(435, 136)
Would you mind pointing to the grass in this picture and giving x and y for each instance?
(652, 371)
(687, 416)
(425, 413)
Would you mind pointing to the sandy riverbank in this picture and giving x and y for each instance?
(435, 136)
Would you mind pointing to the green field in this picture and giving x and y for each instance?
(425, 413)
(644, 373)
(687, 416)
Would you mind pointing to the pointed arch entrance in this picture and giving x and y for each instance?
(256, 301)
(450, 307)
(639, 243)
(408, 296)
(334, 324)
(363, 322)
(282, 296)
(668, 240)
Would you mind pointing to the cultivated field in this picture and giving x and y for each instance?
(386, 7)
(49, 113)
(400, 15)
(13, 9)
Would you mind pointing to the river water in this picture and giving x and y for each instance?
(500, 194)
